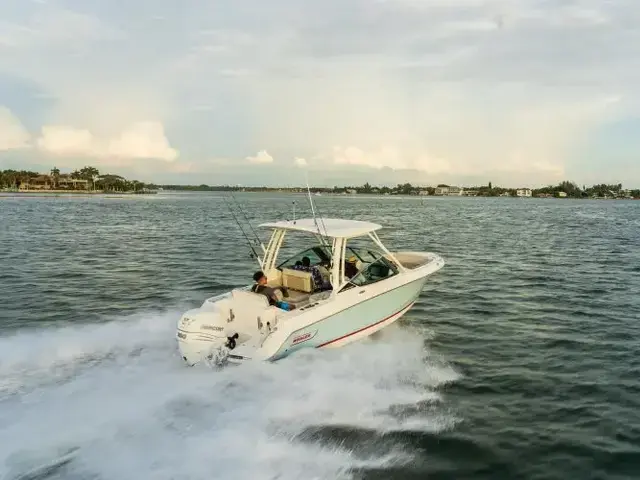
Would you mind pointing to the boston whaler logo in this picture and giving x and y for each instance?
(303, 338)
(186, 321)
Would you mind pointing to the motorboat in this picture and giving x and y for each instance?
(351, 287)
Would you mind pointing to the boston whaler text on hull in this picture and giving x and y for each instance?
(346, 286)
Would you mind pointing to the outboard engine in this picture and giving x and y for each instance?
(219, 356)
(200, 333)
(231, 341)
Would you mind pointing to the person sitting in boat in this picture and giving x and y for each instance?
(318, 281)
(351, 267)
(261, 287)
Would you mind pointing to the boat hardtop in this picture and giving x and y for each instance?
(329, 227)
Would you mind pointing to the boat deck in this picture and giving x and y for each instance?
(300, 299)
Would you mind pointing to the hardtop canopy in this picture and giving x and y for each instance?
(327, 227)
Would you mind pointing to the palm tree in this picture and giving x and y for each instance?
(90, 174)
(55, 173)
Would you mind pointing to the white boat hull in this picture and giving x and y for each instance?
(333, 322)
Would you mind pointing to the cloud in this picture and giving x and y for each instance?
(142, 140)
(300, 162)
(261, 157)
(50, 26)
(63, 140)
(516, 163)
(434, 88)
(13, 135)
(387, 157)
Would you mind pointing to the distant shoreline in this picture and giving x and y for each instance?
(89, 181)
(565, 189)
(112, 194)
(58, 193)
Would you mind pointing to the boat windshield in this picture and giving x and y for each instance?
(362, 254)
(376, 271)
(318, 255)
(366, 264)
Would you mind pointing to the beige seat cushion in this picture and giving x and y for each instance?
(297, 280)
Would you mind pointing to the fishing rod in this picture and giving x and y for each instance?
(323, 240)
(257, 237)
(326, 242)
(244, 234)
(322, 220)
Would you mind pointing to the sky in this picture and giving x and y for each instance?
(256, 92)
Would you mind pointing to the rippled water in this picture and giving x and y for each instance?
(520, 360)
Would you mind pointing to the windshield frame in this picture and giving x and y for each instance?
(382, 259)
(320, 251)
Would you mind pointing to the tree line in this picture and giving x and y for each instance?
(569, 188)
(116, 183)
(574, 191)
(13, 179)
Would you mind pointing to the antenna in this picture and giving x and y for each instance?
(323, 240)
(313, 211)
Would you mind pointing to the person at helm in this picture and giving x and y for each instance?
(316, 275)
(350, 267)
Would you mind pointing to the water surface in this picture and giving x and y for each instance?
(520, 359)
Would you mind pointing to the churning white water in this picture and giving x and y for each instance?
(114, 401)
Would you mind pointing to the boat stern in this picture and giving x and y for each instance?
(200, 332)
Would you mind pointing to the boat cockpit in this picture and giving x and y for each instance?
(307, 275)
(345, 254)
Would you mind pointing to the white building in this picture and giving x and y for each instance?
(449, 191)
(523, 192)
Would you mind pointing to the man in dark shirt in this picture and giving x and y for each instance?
(261, 287)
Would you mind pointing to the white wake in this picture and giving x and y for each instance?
(114, 401)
